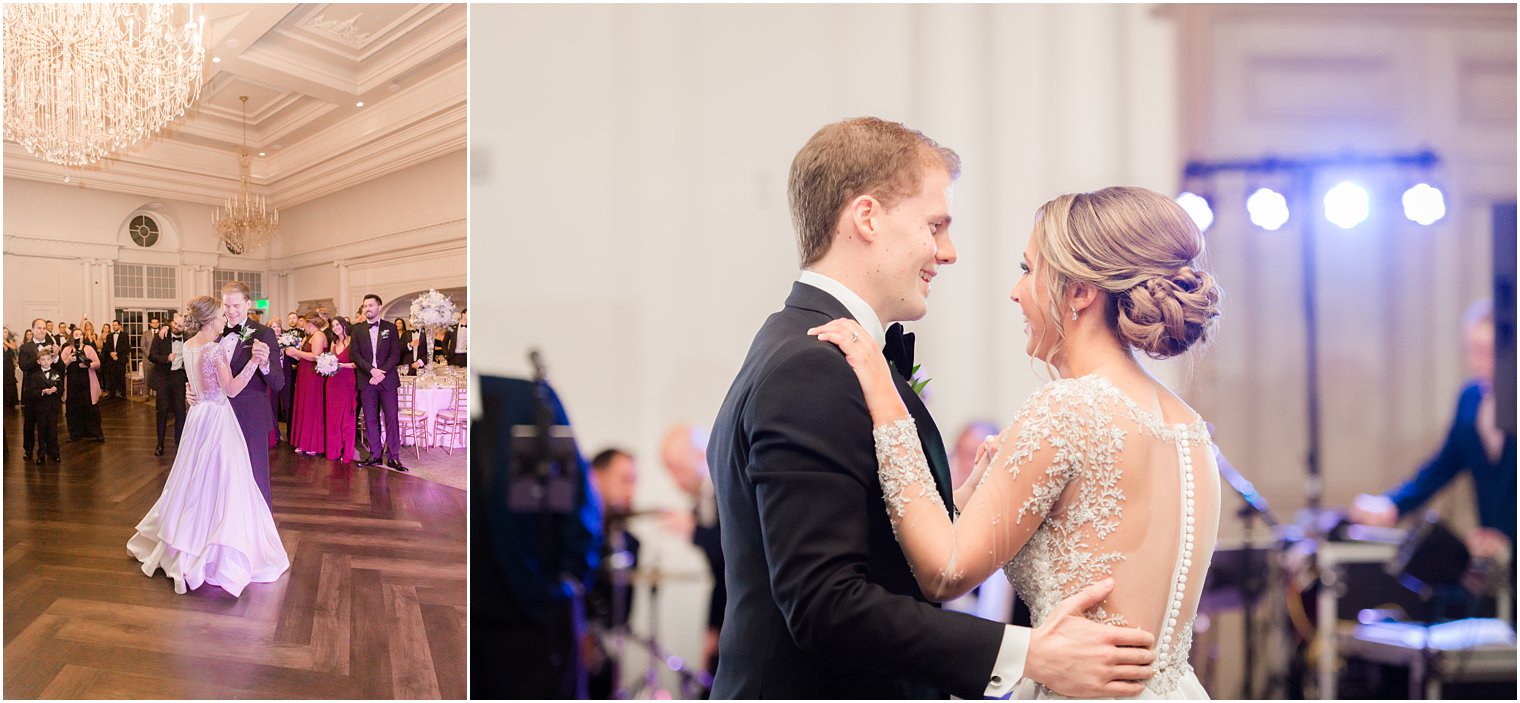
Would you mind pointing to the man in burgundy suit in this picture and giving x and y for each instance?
(377, 351)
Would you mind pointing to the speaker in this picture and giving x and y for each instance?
(1504, 315)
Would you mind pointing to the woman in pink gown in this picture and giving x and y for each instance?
(342, 399)
(310, 410)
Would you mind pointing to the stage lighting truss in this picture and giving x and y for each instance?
(1276, 188)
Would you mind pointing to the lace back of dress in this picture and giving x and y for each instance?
(203, 382)
(1143, 509)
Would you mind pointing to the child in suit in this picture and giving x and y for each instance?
(42, 389)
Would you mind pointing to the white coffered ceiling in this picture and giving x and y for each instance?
(304, 69)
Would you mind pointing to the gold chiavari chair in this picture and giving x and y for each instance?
(412, 422)
(455, 421)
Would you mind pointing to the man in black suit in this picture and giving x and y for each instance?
(168, 380)
(821, 602)
(377, 351)
(115, 352)
(245, 342)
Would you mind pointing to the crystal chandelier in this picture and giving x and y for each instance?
(247, 221)
(84, 80)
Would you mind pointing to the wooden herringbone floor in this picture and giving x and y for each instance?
(373, 605)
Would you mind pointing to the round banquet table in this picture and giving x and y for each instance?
(432, 401)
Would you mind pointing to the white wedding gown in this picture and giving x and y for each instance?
(210, 524)
(1085, 485)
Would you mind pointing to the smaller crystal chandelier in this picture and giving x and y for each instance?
(247, 221)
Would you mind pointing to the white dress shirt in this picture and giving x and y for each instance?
(1008, 668)
(374, 345)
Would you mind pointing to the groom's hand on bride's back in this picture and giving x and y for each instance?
(1074, 656)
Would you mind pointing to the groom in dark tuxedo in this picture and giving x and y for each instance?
(821, 601)
(246, 341)
(377, 352)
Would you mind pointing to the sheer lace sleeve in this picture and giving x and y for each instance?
(1039, 453)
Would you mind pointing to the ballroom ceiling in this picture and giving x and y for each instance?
(306, 69)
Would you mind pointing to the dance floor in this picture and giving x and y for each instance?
(373, 605)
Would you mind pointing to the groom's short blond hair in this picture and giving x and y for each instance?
(237, 287)
(845, 160)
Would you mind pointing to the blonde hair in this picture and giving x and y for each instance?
(237, 287)
(200, 310)
(845, 160)
(1141, 248)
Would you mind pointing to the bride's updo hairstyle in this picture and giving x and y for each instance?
(1138, 246)
(198, 312)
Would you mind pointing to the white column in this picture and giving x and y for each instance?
(342, 299)
(281, 300)
(108, 288)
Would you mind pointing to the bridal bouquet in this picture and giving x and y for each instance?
(433, 309)
(327, 364)
(290, 339)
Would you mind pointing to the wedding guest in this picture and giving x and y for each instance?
(30, 357)
(377, 349)
(613, 475)
(114, 352)
(342, 397)
(276, 398)
(51, 339)
(684, 452)
(12, 396)
(436, 351)
(42, 389)
(82, 389)
(456, 342)
(288, 393)
(146, 346)
(169, 379)
(410, 347)
(308, 421)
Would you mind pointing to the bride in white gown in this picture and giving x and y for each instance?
(1104, 472)
(210, 524)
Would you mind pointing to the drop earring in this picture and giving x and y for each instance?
(1073, 314)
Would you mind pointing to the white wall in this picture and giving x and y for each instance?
(396, 234)
(630, 214)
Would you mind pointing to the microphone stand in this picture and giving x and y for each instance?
(1253, 584)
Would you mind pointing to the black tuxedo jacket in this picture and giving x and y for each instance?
(821, 603)
(390, 354)
(122, 347)
(252, 404)
(161, 376)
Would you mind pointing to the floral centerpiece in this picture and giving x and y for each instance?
(430, 312)
(327, 363)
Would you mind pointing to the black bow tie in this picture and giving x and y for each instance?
(232, 329)
(899, 350)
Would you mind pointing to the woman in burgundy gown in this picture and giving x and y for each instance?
(309, 411)
(342, 399)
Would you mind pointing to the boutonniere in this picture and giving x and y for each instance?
(917, 383)
(246, 336)
(385, 333)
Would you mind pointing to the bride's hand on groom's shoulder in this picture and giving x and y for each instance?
(864, 356)
(1074, 656)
